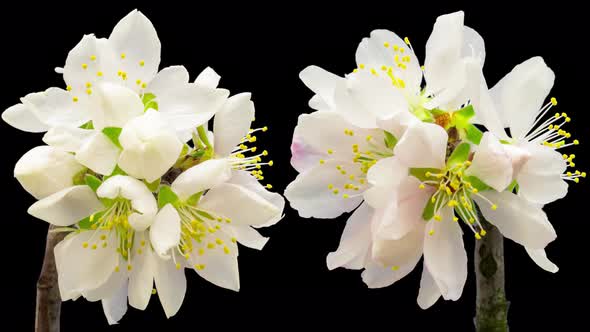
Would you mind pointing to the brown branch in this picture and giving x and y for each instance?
(491, 304)
(48, 297)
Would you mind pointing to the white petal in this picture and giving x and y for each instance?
(521, 93)
(69, 139)
(539, 179)
(165, 231)
(55, 107)
(170, 285)
(321, 82)
(189, 106)
(205, 175)
(136, 38)
(232, 123)
(141, 279)
(384, 178)
(445, 256)
(118, 105)
(168, 79)
(246, 180)
(240, 205)
(539, 256)
(312, 192)
(142, 199)
(249, 237)
(398, 123)
(150, 148)
(67, 206)
(221, 269)
(45, 170)
(377, 276)
(354, 242)
(518, 219)
(115, 306)
(491, 163)
(363, 98)
(208, 78)
(112, 284)
(404, 213)
(429, 292)
(473, 45)
(373, 54)
(21, 117)
(428, 138)
(404, 251)
(443, 51)
(99, 154)
(85, 61)
(303, 155)
(80, 268)
(324, 132)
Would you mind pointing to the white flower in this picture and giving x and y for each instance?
(206, 213)
(109, 256)
(45, 170)
(538, 169)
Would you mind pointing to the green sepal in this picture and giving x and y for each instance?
(116, 171)
(166, 196)
(149, 101)
(87, 224)
(476, 183)
(461, 117)
(153, 186)
(92, 181)
(428, 212)
(198, 153)
(473, 134)
(203, 136)
(205, 214)
(113, 134)
(420, 173)
(459, 155)
(87, 125)
(390, 140)
(78, 178)
(423, 114)
(185, 149)
(194, 199)
(512, 187)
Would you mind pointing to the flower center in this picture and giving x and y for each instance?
(201, 231)
(111, 228)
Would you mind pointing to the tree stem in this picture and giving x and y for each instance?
(48, 297)
(491, 304)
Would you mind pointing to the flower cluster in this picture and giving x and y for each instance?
(140, 204)
(412, 162)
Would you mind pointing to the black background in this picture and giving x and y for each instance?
(262, 49)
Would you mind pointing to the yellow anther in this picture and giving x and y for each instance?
(226, 250)
(431, 232)
(75, 99)
(568, 119)
(576, 142)
(395, 47)
(483, 232)
(123, 55)
(269, 186)
(154, 291)
(373, 71)
(583, 174)
(553, 101)
(474, 190)
(345, 196)
(422, 68)
(117, 268)
(394, 268)
(437, 218)
(455, 219)
(142, 243)
(402, 50)
(201, 251)
(88, 84)
(270, 163)
(94, 246)
(494, 207)
(362, 66)
(138, 82)
(421, 186)
(84, 66)
(407, 40)
(85, 245)
(577, 180)
(104, 244)
(99, 73)
(89, 91)
(386, 44)
(477, 236)
(69, 88)
(218, 241)
(330, 186)
(129, 267)
(142, 63)
(211, 245)
(369, 137)
(103, 237)
(335, 191)
(178, 266)
(330, 151)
